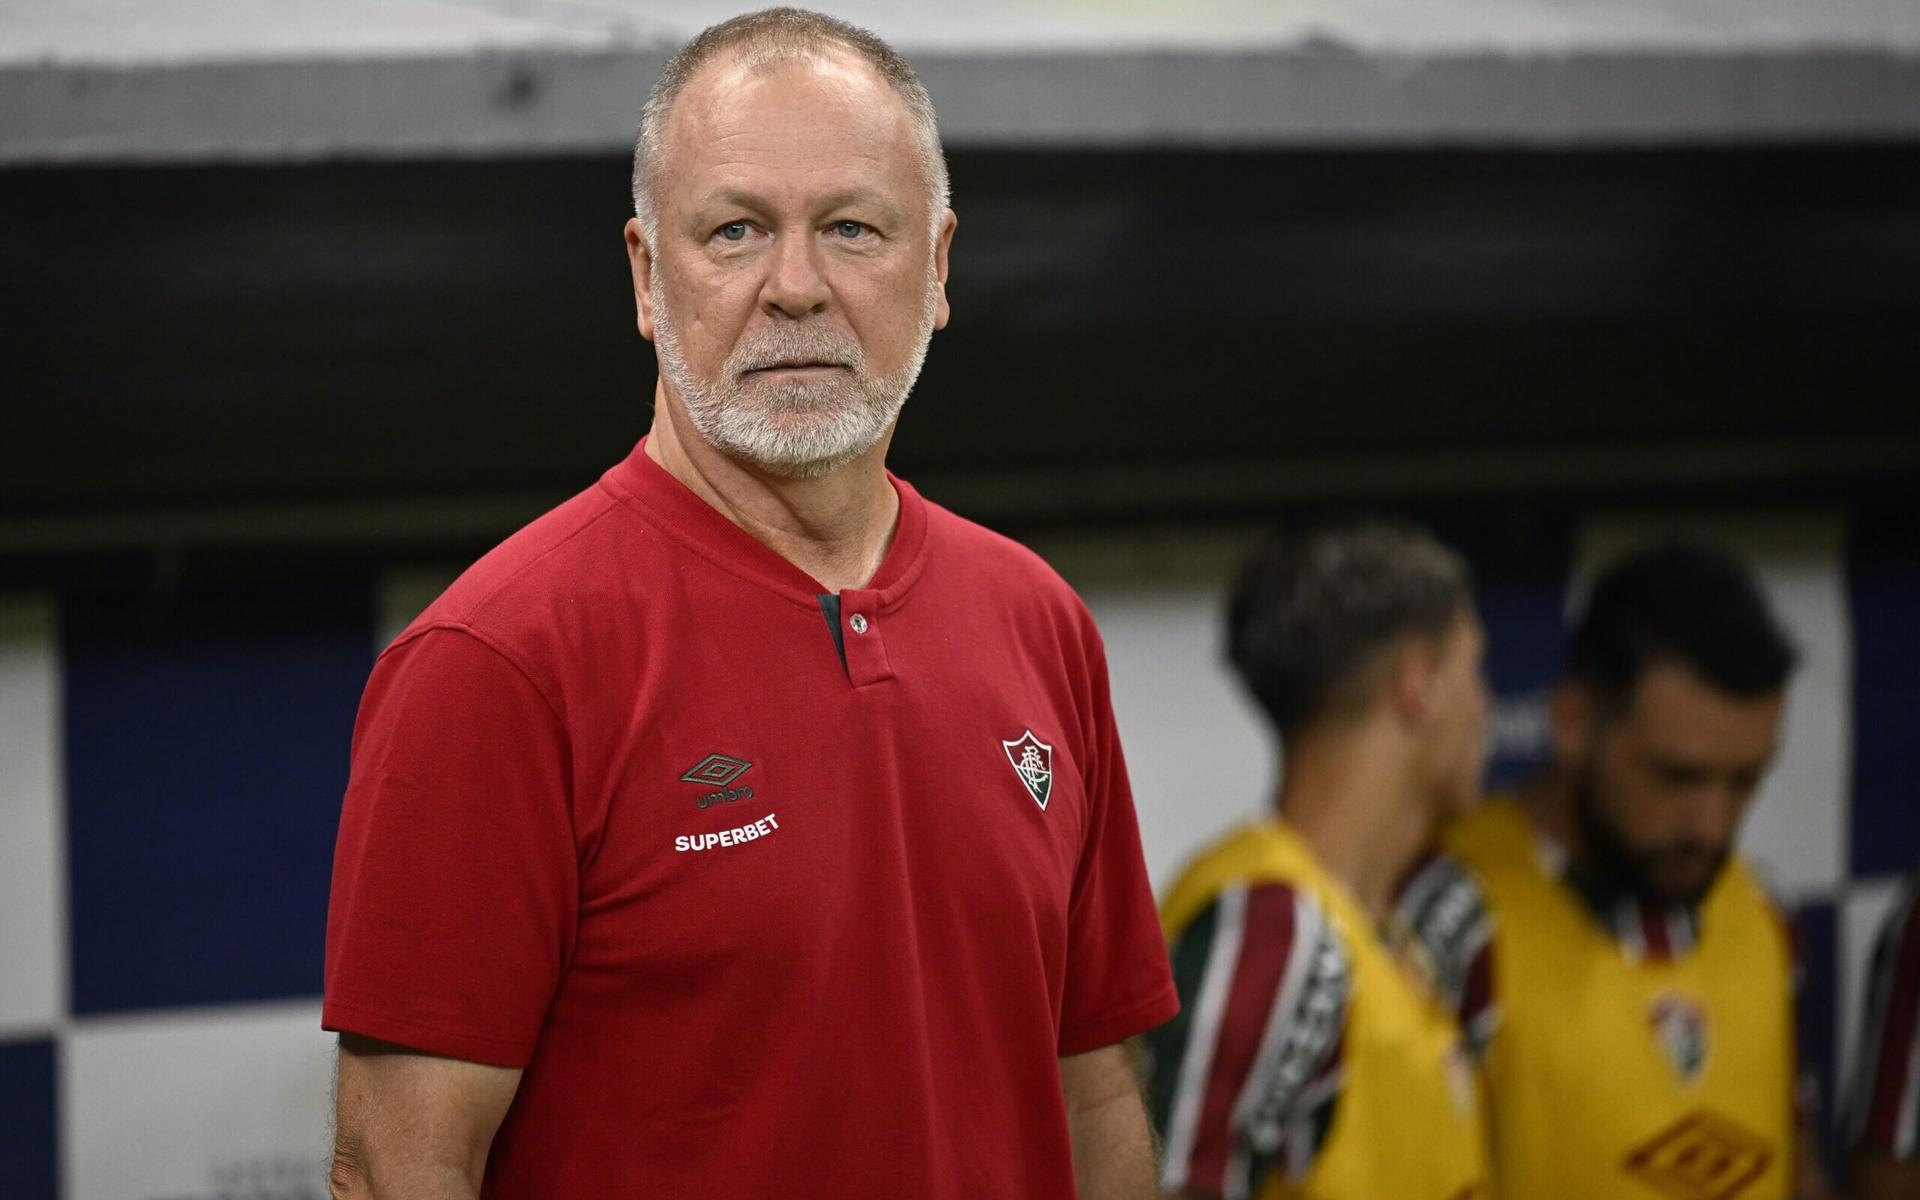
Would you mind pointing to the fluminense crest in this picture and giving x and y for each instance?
(1032, 761)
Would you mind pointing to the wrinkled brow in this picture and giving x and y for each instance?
(862, 198)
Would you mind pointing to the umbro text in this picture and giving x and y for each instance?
(764, 827)
(725, 797)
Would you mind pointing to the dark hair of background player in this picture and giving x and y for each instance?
(1681, 601)
(1309, 615)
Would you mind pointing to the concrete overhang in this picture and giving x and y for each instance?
(290, 80)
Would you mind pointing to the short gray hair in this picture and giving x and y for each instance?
(769, 38)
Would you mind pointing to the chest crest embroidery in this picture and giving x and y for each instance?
(1679, 1024)
(1032, 761)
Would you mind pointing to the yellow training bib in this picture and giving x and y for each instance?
(1614, 1079)
(1407, 1124)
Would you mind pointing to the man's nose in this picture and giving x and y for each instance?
(795, 284)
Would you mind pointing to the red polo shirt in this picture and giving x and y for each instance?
(758, 916)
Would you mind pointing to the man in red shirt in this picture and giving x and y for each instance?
(748, 826)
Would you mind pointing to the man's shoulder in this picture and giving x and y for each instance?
(1497, 834)
(1248, 856)
(1265, 981)
(1021, 575)
(1753, 888)
(1446, 910)
(1272, 911)
(1442, 901)
(538, 572)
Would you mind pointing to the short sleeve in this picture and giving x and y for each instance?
(455, 876)
(1118, 982)
(1244, 1083)
(1884, 1120)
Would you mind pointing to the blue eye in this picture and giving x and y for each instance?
(734, 231)
(849, 229)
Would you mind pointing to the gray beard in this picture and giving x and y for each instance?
(795, 429)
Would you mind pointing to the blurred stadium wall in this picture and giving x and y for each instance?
(308, 303)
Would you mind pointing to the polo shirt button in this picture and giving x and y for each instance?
(859, 623)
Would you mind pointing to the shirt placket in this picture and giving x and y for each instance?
(863, 631)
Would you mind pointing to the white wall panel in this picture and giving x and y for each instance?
(193, 1103)
(32, 883)
(1197, 749)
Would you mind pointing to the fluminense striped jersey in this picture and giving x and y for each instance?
(1442, 904)
(1313, 1056)
(1884, 1106)
(1263, 985)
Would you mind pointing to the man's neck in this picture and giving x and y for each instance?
(1547, 799)
(836, 528)
(1351, 794)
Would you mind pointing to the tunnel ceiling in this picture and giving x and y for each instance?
(1132, 331)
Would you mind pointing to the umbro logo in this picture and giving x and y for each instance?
(1703, 1156)
(717, 771)
(1032, 761)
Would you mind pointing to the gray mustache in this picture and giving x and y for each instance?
(797, 346)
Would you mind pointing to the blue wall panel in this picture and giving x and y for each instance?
(205, 764)
(29, 1146)
(1884, 586)
(1817, 929)
(1521, 604)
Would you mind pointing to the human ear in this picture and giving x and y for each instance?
(640, 262)
(1414, 682)
(942, 243)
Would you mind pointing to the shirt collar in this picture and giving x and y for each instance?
(1642, 930)
(673, 509)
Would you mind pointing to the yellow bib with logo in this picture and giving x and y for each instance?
(1613, 1079)
(1407, 1125)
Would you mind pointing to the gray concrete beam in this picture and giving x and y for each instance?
(528, 102)
(279, 80)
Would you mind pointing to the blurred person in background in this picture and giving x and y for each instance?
(1634, 1008)
(1313, 1055)
(748, 826)
(1882, 1131)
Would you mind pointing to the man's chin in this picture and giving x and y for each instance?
(1686, 886)
(790, 457)
(817, 468)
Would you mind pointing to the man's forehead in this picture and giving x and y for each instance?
(743, 89)
(803, 130)
(1673, 705)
